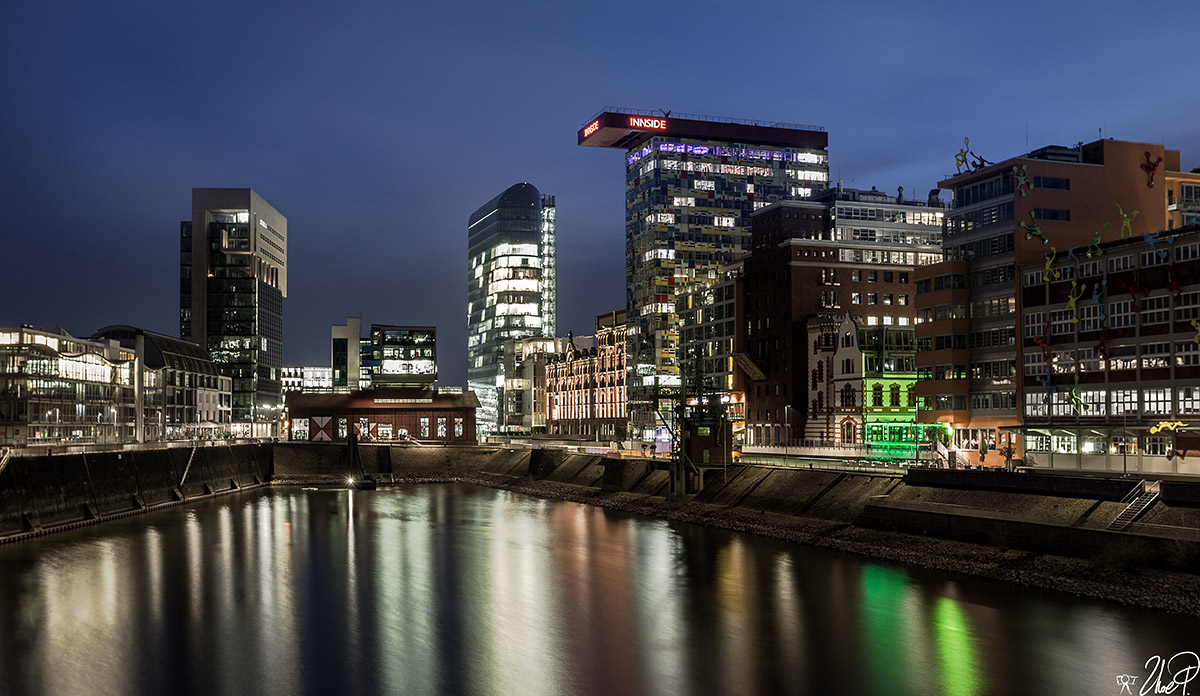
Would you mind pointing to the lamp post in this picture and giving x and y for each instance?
(1124, 442)
(787, 440)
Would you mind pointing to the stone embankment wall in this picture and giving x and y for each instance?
(57, 491)
(1048, 513)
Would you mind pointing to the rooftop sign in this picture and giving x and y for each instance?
(627, 131)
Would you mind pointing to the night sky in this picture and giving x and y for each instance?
(378, 128)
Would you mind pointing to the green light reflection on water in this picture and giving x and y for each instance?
(957, 655)
(883, 593)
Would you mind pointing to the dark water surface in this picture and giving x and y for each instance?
(454, 589)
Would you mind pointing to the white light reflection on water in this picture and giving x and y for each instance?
(448, 589)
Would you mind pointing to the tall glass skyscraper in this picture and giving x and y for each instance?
(691, 183)
(510, 288)
(233, 278)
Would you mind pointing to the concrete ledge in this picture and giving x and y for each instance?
(1180, 493)
(1072, 486)
(1006, 530)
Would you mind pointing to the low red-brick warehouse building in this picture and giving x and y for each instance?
(443, 415)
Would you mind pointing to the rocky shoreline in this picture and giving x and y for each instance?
(1147, 588)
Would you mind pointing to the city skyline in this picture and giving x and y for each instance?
(113, 134)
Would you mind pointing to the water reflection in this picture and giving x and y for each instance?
(460, 590)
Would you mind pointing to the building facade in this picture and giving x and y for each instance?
(586, 387)
(1051, 204)
(526, 403)
(346, 355)
(850, 253)
(1110, 356)
(691, 184)
(712, 329)
(233, 278)
(511, 289)
(400, 356)
(314, 379)
(385, 414)
(196, 399)
(123, 385)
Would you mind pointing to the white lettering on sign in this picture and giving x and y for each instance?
(654, 123)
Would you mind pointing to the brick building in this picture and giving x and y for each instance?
(1052, 205)
(585, 387)
(849, 252)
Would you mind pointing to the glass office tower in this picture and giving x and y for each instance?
(691, 183)
(233, 278)
(510, 288)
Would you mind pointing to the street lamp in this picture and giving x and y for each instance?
(787, 418)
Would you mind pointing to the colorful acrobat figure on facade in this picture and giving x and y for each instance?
(1127, 221)
(967, 161)
(1093, 248)
(1023, 185)
(1034, 229)
(1151, 168)
(1073, 298)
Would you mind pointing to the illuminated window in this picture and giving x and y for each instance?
(1157, 446)
(1156, 401)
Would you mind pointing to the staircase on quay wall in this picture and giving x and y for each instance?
(1143, 497)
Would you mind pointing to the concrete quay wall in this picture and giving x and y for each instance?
(43, 493)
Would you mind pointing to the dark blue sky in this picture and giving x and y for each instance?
(377, 128)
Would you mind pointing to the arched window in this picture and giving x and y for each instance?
(848, 399)
(848, 432)
(814, 379)
(877, 394)
(895, 395)
(820, 372)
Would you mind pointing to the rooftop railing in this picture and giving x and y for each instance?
(700, 117)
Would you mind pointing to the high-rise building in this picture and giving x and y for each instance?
(691, 183)
(233, 278)
(510, 288)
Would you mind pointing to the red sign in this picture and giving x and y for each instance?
(591, 128)
(649, 123)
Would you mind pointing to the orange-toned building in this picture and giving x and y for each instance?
(1049, 204)
(585, 387)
